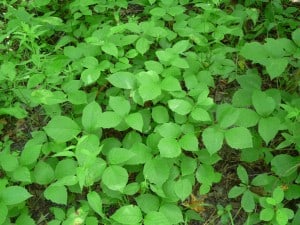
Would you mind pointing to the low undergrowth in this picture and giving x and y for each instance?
(149, 112)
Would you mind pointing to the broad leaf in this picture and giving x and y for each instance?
(268, 128)
(109, 119)
(189, 142)
(13, 195)
(156, 218)
(239, 138)
(180, 106)
(183, 188)
(157, 170)
(123, 80)
(56, 194)
(62, 129)
(147, 202)
(128, 215)
(115, 177)
(135, 121)
(263, 104)
(119, 104)
(90, 114)
(172, 212)
(169, 148)
(212, 139)
(95, 202)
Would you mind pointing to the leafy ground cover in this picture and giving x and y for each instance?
(149, 112)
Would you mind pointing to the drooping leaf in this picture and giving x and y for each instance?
(62, 129)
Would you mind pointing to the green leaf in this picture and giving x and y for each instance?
(3, 212)
(296, 36)
(109, 119)
(181, 46)
(56, 194)
(147, 202)
(142, 45)
(128, 214)
(90, 76)
(183, 188)
(239, 138)
(236, 191)
(180, 106)
(14, 195)
(157, 170)
(123, 80)
(180, 63)
(110, 49)
(65, 167)
(16, 112)
(30, 153)
(62, 129)
(254, 51)
(266, 214)
(189, 142)
(247, 201)
(22, 174)
(115, 177)
(276, 66)
(119, 104)
(247, 118)
(278, 195)
(43, 173)
(284, 165)
(281, 217)
(263, 104)
(201, 115)
(48, 97)
(206, 175)
(119, 155)
(170, 130)
(242, 174)
(170, 84)
(169, 148)
(91, 114)
(160, 114)
(227, 115)
(157, 11)
(135, 121)
(24, 219)
(187, 165)
(95, 202)
(149, 91)
(156, 218)
(212, 139)
(172, 212)
(8, 162)
(268, 128)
